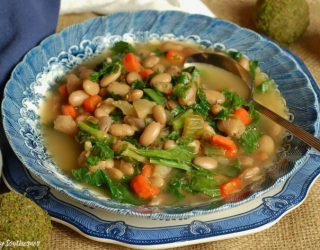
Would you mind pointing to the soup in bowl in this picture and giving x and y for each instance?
(106, 113)
(145, 129)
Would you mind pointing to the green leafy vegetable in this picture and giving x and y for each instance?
(177, 110)
(159, 52)
(122, 47)
(116, 115)
(264, 86)
(104, 69)
(138, 84)
(253, 65)
(203, 182)
(236, 55)
(193, 126)
(174, 135)
(249, 140)
(100, 152)
(195, 73)
(202, 105)
(180, 90)
(98, 134)
(119, 191)
(230, 171)
(155, 96)
(183, 78)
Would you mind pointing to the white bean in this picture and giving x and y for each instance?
(150, 134)
(126, 168)
(132, 76)
(159, 114)
(77, 97)
(161, 78)
(266, 144)
(205, 162)
(118, 88)
(156, 181)
(190, 96)
(115, 173)
(121, 130)
(106, 80)
(214, 97)
(232, 127)
(90, 87)
(134, 95)
(150, 61)
(169, 144)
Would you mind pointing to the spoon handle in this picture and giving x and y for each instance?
(295, 130)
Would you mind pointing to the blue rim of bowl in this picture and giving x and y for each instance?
(127, 210)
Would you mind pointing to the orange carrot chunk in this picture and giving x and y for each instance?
(142, 187)
(131, 62)
(69, 110)
(175, 57)
(63, 90)
(243, 115)
(226, 143)
(91, 103)
(230, 187)
(146, 72)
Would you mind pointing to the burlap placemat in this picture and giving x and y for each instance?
(300, 229)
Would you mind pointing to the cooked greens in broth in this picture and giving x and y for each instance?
(145, 129)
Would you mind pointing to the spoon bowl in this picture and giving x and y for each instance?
(227, 63)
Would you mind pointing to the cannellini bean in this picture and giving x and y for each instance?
(190, 96)
(134, 95)
(163, 87)
(205, 162)
(150, 134)
(161, 78)
(216, 108)
(156, 181)
(73, 83)
(158, 67)
(171, 46)
(169, 144)
(159, 114)
(132, 76)
(104, 123)
(65, 124)
(115, 173)
(121, 130)
(249, 173)
(266, 144)
(134, 121)
(90, 87)
(173, 70)
(261, 156)
(244, 62)
(118, 88)
(150, 61)
(126, 168)
(232, 126)
(77, 97)
(246, 161)
(118, 145)
(214, 97)
(106, 80)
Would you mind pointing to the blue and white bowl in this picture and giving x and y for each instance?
(44, 65)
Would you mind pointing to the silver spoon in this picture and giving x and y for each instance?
(231, 65)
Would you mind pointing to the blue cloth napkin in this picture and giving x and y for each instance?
(23, 24)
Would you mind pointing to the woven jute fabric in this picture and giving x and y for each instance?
(299, 229)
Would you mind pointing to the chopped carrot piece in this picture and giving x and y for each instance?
(175, 57)
(226, 143)
(69, 110)
(147, 170)
(243, 115)
(131, 62)
(146, 72)
(230, 186)
(142, 187)
(63, 90)
(91, 103)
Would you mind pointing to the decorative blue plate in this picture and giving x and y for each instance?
(143, 233)
(44, 65)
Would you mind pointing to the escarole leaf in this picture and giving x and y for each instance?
(103, 69)
(119, 191)
(193, 126)
(202, 105)
(122, 47)
(249, 140)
